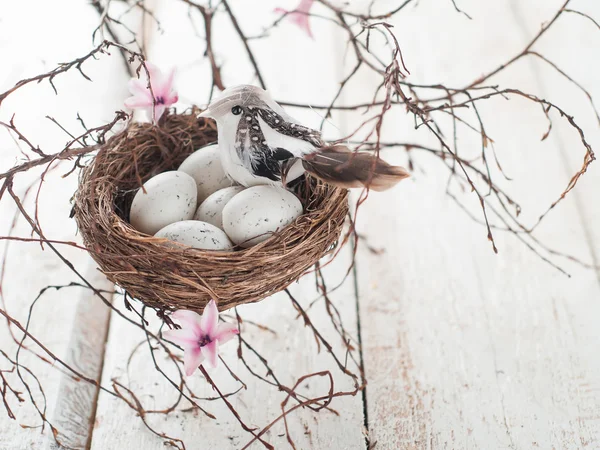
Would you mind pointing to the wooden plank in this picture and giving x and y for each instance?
(31, 268)
(291, 349)
(51, 324)
(465, 349)
(75, 408)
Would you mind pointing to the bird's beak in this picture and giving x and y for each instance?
(206, 113)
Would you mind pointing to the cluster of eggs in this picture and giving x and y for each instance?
(199, 206)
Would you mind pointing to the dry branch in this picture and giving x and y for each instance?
(431, 107)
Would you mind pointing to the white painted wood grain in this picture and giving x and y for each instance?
(465, 349)
(75, 409)
(34, 37)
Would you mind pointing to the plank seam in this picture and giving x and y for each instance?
(360, 347)
(88, 444)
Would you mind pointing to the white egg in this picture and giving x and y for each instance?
(211, 209)
(204, 165)
(169, 197)
(254, 214)
(196, 234)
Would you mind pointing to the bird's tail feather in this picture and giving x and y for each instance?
(339, 166)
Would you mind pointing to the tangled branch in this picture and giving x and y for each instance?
(430, 106)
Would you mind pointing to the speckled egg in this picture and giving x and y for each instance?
(204, 165)
(211, 209)
(253, 215)
(169, 197)
(196, 234)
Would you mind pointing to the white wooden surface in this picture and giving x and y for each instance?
(74, 413)
(34, 37)
(463, 349)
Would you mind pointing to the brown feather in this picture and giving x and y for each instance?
(339, 166)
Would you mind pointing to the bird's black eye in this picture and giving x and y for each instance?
(236, 110)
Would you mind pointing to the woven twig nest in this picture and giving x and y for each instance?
(167, 278)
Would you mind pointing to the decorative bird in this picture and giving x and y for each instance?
(261, 144)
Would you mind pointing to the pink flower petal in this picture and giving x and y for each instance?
(156, 76)
(210, 318)
(300, 15)
(192, 359)
(188, 319)
(137, 102)
(159, 111)
(139, 88)
(169, 81)
(172, 98)
(305, 5)
(211, 351)
(156, 98)
(225, 332)
(304, 25)
(184, 337)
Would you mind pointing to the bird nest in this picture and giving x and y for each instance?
(176, 277)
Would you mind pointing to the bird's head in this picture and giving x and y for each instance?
(248, 117)
(234, 103)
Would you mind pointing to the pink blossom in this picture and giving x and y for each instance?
(200, 336)
(300, 15)
(162, 88)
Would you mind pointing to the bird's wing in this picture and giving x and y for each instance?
(261, 150)
(270, 163)
(279, 124)
(276, 139)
